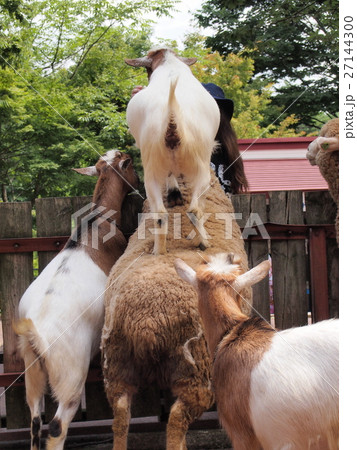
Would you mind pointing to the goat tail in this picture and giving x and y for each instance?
(172, 136)
(172, 96)
(29, 337)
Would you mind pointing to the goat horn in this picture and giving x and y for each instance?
(253, 276)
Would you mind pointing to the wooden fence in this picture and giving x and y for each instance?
(294, 228)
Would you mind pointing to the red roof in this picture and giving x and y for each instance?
(279, 164)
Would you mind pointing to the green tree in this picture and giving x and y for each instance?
(11, 16)
(36, 143)
(62, 33)
(252, 99)
(64, 101)
(294, 44)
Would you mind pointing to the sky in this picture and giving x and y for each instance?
(181, 23)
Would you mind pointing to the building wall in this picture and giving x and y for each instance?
(279, 164)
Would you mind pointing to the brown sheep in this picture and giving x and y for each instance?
(152, 331)
(324, 152)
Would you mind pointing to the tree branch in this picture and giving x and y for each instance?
(58, 45)
(4, 193)
(82, 58)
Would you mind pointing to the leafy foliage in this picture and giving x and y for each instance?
(252, 99)
(66, 103)
(292, 42)
(64, 88)
(11, 16)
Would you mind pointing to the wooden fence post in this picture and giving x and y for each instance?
(289, 262)
(321, 209)
(258, 252)
(53, 218)
(16, 273)
(318, 270)
(253, 210)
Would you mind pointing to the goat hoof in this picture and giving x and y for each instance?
(157, 253)
(174, 197)
(203, 246)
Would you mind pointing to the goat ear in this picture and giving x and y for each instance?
(140, 62)
(188, 61)
(253, 276)
(185, 272)
(124, 163)
(91, 171)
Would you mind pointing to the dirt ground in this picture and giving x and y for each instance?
(196, 440)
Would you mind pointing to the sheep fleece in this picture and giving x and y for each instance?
(151, 312)
(328, 164)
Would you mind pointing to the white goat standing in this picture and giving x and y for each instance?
(174, 122)
(62, 312)
(276, 390)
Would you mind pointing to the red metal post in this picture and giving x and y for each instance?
(319, 275)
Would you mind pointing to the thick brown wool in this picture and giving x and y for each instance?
(151, 313)
(329, 165)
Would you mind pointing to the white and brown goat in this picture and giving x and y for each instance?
(274, 390)
(174, 122)
(61, 313)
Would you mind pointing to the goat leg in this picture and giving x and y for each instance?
(174, 196)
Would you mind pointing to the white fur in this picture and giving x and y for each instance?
(220, 264)
(109, 156)
(65, 306)
(294, 388)
(173, 92)
(75, 296)
(61, 314)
